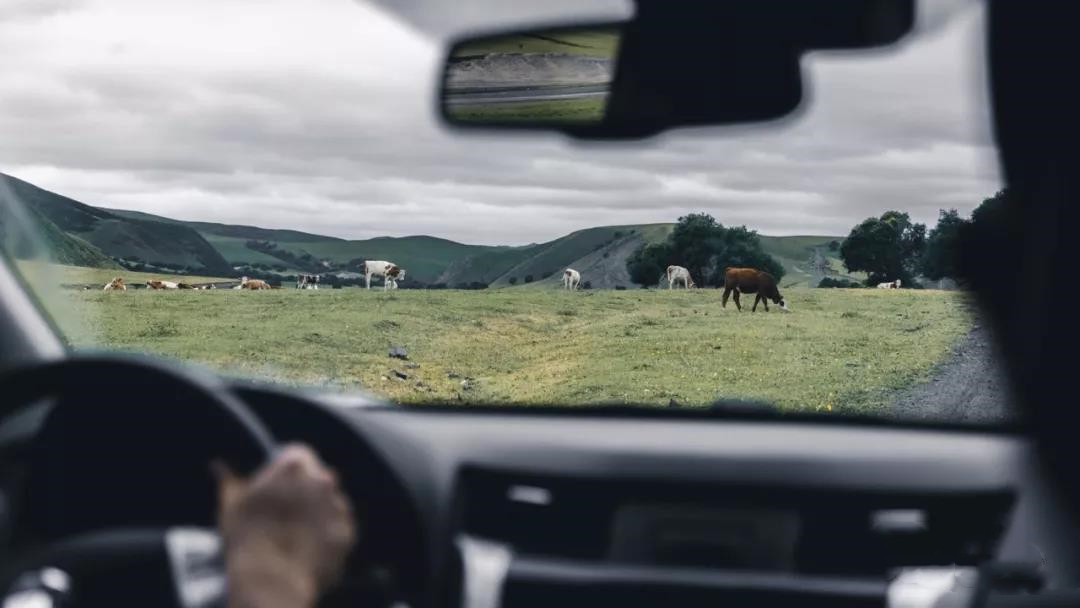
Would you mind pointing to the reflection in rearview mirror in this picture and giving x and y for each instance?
(546, 77)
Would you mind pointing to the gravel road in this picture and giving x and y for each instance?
(971, 386)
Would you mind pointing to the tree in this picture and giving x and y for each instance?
(706, 248)
(886, 247)
(942, 255)
(513, 280)
(648, 262)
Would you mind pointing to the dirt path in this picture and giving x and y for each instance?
(970, 386)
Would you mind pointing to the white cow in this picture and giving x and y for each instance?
(571, 279)
(307, 281)
(677, 274)
(890, 285)
(389, 271)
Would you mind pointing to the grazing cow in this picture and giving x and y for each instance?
(116, 284)
(750, 280)
(157, 285)
(890, 285)
(677, 274)
(307, 281)
(389, 271)
(571, 279)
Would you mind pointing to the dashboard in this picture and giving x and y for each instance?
(587, 508)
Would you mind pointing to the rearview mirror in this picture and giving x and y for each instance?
(557, 77)
(675, 64)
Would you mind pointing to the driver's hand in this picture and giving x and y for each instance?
(287, 530)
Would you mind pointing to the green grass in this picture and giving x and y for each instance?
(559, 111)
(590, 42)
(840, 350)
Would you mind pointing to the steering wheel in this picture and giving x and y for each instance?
(111, 475)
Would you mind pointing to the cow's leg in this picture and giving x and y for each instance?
(757, 299)
(367, 279)
(723, 300)
(765, 301)
(738, 304)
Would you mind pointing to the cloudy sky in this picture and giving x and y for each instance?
(318, 115)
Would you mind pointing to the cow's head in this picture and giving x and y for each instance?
(779, 300)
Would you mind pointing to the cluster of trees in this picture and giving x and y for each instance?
(892, 247)
(705, 247)
(304, 260)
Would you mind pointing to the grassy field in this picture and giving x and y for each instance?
(840, 350)
(557, 111)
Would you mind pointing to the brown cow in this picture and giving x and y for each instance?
(116, 284)
(254, 284)
(750, 280)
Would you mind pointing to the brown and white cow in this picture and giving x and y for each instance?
(389, 271)
(751, 280)
(890, 285)
(117, 284)
(155, 284)
(678, 274)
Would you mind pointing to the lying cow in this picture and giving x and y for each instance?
(155, 284)
(750, 280)
(571, 279)
(116, 284)
(890, 285)
(677, 274)
(389, 271)
(246, 283)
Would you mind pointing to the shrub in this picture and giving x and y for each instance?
(513, 280)
(620, 288)
(586, 285)
(528, 278)
(830, 282)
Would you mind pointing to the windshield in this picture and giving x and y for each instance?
(264, 188)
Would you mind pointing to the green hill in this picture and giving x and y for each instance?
(51, 242)
(166, 244)
(425, 257)
(84, 235)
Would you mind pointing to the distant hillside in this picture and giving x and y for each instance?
(86, 235)
(425, 257)
(61, 247)
(158, 243)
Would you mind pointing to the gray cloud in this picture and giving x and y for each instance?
(318, 115)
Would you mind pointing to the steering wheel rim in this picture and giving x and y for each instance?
(24, 386)
(89, 375)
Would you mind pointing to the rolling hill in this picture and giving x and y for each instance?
(84, 235)
(171, 245)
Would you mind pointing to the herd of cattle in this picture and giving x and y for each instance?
(737, 281)
(391, 273)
